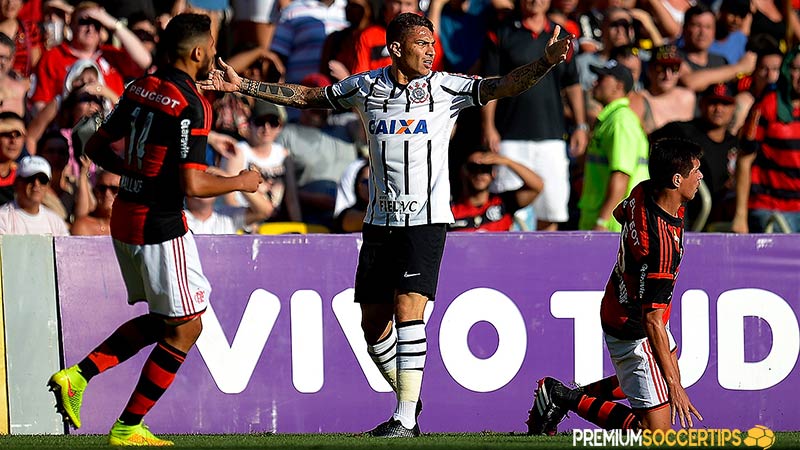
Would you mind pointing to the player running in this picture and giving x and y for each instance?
(165, 122)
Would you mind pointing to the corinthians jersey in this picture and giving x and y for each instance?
(409, 129)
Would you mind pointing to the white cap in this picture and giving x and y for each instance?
(32, 165)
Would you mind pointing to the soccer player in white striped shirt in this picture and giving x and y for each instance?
(409, 112)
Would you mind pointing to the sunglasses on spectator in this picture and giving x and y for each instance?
(87, 21)
(273, 121)
(11, 135)
(620, 23)
(364, 181)
(102, 188)
(475, 168)
(39, 176)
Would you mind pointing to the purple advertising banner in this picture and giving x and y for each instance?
(282, 350)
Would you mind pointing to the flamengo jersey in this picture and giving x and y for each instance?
(165, 123)
(650, 252)
(409, 132)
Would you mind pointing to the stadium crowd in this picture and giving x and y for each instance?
(724, 74)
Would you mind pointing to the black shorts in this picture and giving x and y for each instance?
(405, 259)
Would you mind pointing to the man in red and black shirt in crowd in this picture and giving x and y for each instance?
(477, 209)
(768, 168)
(165, 122)
(635, 309)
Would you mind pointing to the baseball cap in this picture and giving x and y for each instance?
(32, 165)
(721, 92)
(617, 71)
(10, 121)
(263, 108)
(667, 55)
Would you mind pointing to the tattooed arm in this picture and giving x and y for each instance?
(523, 78)
(293, 95)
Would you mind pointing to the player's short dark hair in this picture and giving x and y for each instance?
(403, 23)
(182, 34)
(669, 156)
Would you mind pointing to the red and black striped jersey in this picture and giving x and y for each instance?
(165, 122)
(650, 252)
(775, 175)
(494, 215)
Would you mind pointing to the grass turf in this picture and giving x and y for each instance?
(454, 441)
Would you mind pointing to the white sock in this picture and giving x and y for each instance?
(383, 354)
(412, 348)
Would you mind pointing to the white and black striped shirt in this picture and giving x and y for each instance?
(409, 129)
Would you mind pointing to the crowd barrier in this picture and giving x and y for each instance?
(282, 350)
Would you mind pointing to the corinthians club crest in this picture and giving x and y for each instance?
(419, 91)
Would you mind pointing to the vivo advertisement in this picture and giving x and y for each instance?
(282, 349)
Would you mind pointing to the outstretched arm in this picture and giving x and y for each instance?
(524, 77)
(294, 95)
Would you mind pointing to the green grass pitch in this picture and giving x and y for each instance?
(453, 441)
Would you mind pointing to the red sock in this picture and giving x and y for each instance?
(157, 375)
(607, 415)
(123, 343)
(605, 389)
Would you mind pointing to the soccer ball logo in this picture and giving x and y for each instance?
(759, 436)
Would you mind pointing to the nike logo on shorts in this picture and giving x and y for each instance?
(409, 275)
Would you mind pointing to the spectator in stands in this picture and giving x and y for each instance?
(272, 159)
(55, 15)
(663, 101)
(629, 56)
(97, 223)
(477, 209)
(301, 32)
(710, 132)
(204, 218)
(115, 64)
(13, 91)
(767, 184)
(617, 30)
(27, 215)
(12, 132)
(60, 194)
(763, 79)
(507, 124)
(351, 219)
(769, 17)
(616, 159)
(461, 27)
(730, 38)
(145, 29)
(703, 68)
(85, 78)
(338, 58)
(346, 187)
(563, 12)
(319, 157)
(254, 21)
(25, 35)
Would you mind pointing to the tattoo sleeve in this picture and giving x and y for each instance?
(515, 82)
(293, 95)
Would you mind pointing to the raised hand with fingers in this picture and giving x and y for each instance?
(557, 49)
